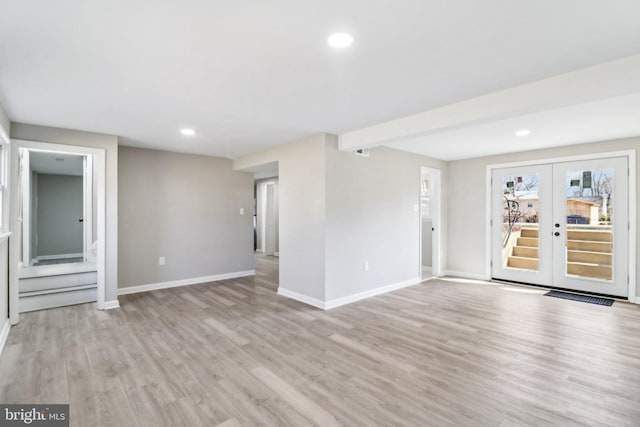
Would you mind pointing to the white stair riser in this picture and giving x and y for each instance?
(57, 299)
(57, 282)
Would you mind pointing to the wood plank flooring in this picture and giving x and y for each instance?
(233, 353)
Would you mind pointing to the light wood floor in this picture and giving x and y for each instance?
(234, 353)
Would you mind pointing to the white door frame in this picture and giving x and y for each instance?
(436, 220)
(87, 207)
(14, 249)
(25, 219)
(630, 154)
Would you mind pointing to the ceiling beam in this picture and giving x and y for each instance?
(616, 78)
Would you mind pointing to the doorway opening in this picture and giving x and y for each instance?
(430, 220)
(564, 224)
(266, 202)
(58, 221)
(57, 208)
(266, 219)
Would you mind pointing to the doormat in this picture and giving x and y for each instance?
(582, 298)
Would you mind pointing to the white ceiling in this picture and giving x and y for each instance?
(55, 163)
(250, 74)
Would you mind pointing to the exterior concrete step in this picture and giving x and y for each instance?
(591, 246)
(523, 262)
(589, 270)
(589, 257)
(525, 251)
(590, 235)
(527, 241)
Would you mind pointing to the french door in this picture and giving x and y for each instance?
(563, 225)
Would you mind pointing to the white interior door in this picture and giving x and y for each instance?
(591, 220)
(563, 225)
(269, 218)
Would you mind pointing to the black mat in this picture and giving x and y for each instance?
(582, 298)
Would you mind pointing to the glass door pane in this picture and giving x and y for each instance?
(520, 242)
(589, 216)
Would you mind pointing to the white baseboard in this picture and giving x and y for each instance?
(110, 305)
(302, 298)
(184, 282)
(328, 305)
(259, 251)
(370, 293)
(465, 275)
(4, 333)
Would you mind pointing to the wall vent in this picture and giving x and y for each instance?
(364, 152)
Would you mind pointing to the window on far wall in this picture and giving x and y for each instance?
(425, 197)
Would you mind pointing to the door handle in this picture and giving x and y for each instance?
(557, 225)
(556, 234)
(81, 220)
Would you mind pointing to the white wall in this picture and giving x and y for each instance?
(372, 216)
(338, 210)
(4, 244)
(5, 123)
(185, 208)
(467, 199)
(93, 140)
(58, 209)
(301, 171)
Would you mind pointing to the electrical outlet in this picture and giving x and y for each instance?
(366, 266)
(161, 260)
(241, 211)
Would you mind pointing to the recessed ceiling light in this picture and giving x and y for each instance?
(523, 132)
(188, 132)
(340, 40)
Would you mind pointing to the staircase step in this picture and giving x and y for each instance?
(525, 251)
(41, 300)
(34, 284)
(591, 246)
(56, 269)
(589, 270)
(529, 232)
(589, 257)
(523, 262)
(527, 241)
(590, 235)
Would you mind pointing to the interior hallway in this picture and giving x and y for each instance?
(438, 353)
(267, 271)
